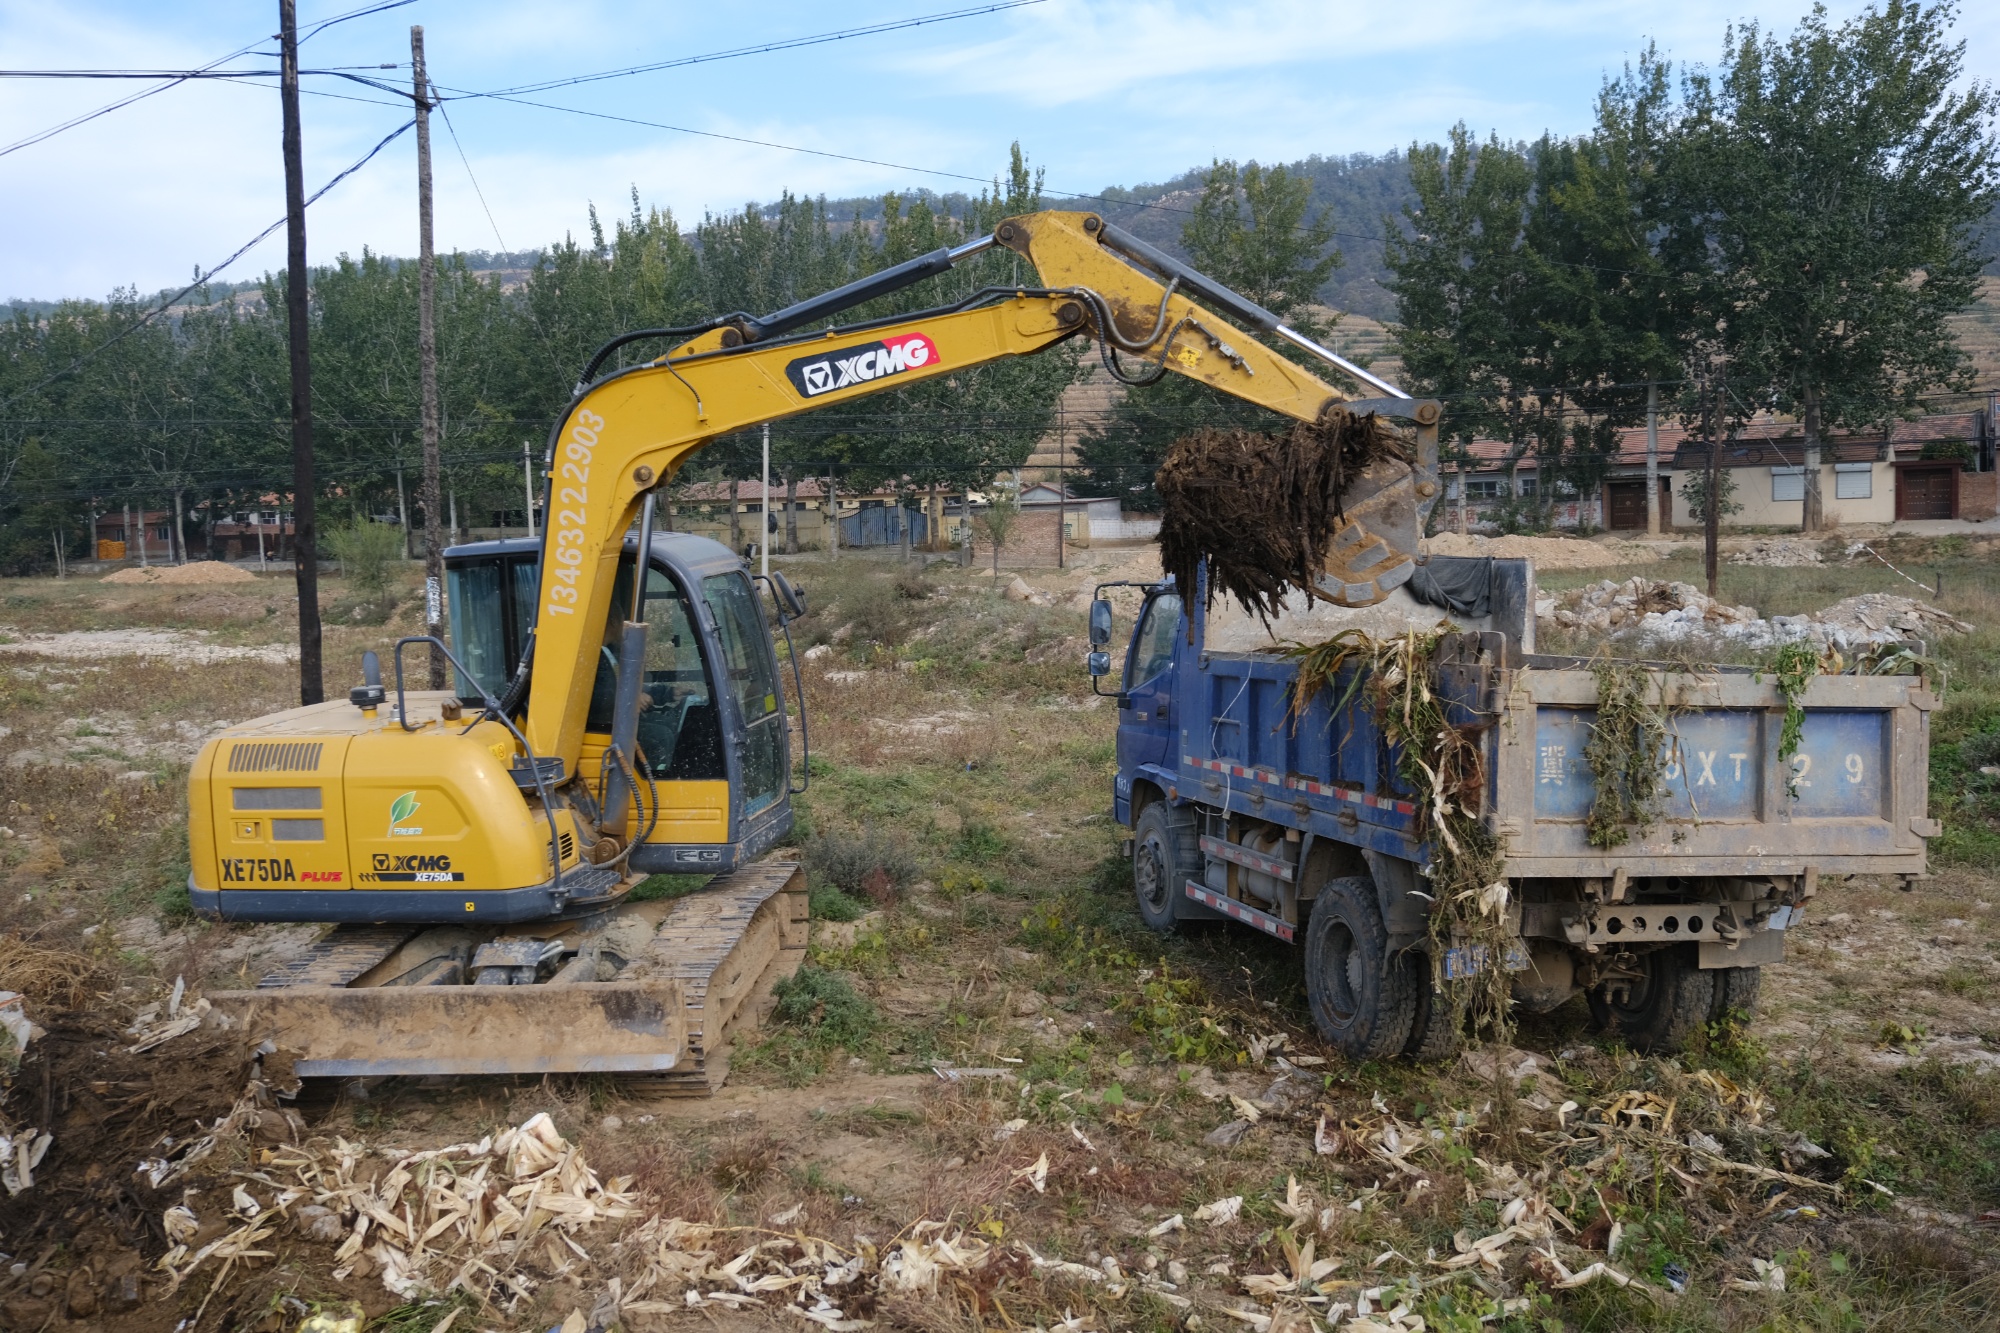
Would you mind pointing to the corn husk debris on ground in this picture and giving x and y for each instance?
(504, 1216)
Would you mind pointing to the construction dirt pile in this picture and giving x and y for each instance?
(1779, 553)
(107, 1121)
(1644, 611)
(1546, 552)
(1262, 509)
(199, 571)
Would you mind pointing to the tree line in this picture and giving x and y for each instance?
(188, 413)
(1784, 233)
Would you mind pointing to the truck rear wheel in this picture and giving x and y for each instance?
(1362, 1000)
(1165, 854)
(1434, 1027)
(1664, 1007)
(1735, 992)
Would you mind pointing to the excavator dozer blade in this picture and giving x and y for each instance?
(654, 988)
(338, 1031)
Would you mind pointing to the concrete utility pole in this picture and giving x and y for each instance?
(1652, 460)
(427, 368)
(764, 525)
(305, 537)
(1062, 483)
(1711, 517)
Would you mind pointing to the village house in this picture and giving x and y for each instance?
(1932, 467)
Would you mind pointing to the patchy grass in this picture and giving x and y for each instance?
(1011, 946)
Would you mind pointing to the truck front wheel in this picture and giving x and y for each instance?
(1362, 1000)
(1164, 852)
(1663, 1007)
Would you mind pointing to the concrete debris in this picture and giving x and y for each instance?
(20, 1153)
(1647, 611)
(14, 1022)
(1778, 553)
(1017, 590)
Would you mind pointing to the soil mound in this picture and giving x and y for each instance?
(1262, 509)
(200, 571)
(1546, 552)
(124, 1127)
(1779, 553)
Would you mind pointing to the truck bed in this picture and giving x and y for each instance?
(1861, 766)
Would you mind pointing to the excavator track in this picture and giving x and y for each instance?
(653, 989)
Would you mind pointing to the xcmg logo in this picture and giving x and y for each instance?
(826, 371)
(415, 868)
(414, 861)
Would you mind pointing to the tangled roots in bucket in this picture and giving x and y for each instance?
(1260, 508)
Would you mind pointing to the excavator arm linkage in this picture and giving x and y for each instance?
(629, 432)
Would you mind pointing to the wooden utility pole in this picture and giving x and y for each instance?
(305, 539)
(1711, 509)
(427, 362)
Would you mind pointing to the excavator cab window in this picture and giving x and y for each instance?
(680, 733)
(752, 677)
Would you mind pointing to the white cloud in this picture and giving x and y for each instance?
(1112, 92)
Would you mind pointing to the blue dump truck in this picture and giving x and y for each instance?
(1302, 827)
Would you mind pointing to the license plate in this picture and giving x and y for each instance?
(1469, 960)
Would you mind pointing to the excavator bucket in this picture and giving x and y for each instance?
(656, 988)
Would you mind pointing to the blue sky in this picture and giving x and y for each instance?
(1115, 92)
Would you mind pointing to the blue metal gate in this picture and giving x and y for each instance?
(882, 525)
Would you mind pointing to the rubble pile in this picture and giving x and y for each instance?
(1779, 553)
(1645, 610)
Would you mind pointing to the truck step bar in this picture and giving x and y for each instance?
(1243, 856)
(1236, 911)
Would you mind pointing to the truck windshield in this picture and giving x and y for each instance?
(1153, 646)
(739, 626)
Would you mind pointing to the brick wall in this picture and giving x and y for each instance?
(1031, 543)
(1978, 495)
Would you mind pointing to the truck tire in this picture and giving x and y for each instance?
(1433, 1026)
(1165, 855)
(1735, 992)
(1664, 1010)
(1362, 999)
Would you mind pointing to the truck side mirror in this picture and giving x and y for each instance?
(1100, 663)
(794, 599)
(1100, 630)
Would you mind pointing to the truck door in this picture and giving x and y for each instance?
(1146, 722)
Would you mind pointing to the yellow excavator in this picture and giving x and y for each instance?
(619, 707)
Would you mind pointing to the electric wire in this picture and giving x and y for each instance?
(763, 48)
(161, 308)
(467, 163)
(176, 80)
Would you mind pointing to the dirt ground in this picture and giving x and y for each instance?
(1106, 1095)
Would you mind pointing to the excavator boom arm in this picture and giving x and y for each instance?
(632, 430)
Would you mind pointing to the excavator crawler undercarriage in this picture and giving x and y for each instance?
(655, 988)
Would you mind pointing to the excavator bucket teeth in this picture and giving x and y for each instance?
(654, 988)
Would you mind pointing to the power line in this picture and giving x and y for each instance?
(175, 80)
(763, 48)
(466, 162)
(164, 305)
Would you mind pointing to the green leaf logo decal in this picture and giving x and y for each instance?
(405, 806)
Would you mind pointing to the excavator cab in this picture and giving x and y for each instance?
(713, 753)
